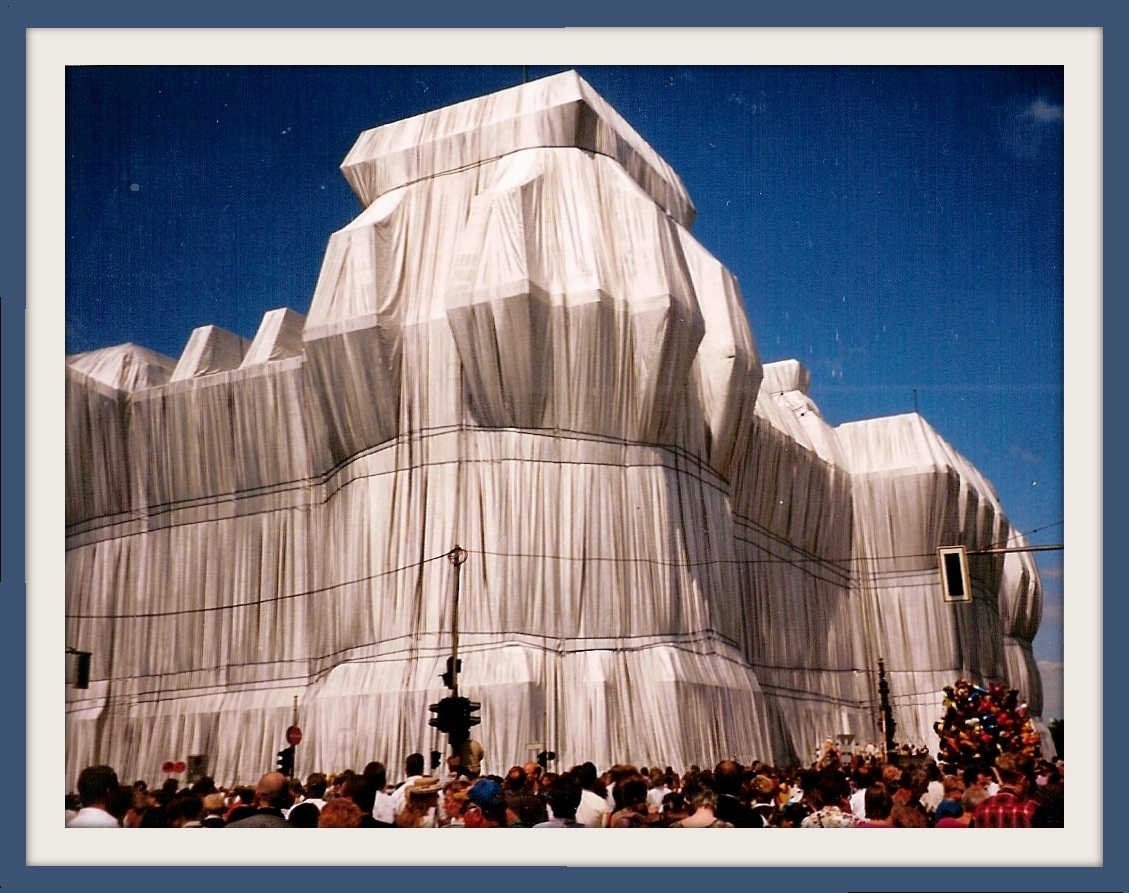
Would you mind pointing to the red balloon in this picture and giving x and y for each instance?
(167, 766)
(179, 766)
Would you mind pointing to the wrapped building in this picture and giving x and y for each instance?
(517, 347)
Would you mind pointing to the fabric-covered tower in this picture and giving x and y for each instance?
(518, 347)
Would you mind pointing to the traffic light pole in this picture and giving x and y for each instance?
(457, 556)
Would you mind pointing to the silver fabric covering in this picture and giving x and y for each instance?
(519, 348)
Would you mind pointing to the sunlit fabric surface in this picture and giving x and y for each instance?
(518, 347)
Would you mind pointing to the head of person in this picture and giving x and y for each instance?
(413, 765)
(631, 793)
(360, 789)
(972, 797)
(564, 797)
(953, 787)
(586, 774)
(454, 799)
(891, 776)
(977, 775)
(516, 780)
(878, 802)
(97, 785)
(214, 804)
(377, 775)
(340, 812)
(791, 816)
(421, 797)
(183, 808)
(533, 771)
(273, 791)
(763, 789)
(727, 778)
(486, 805)
(674, 807)
(704, 799)
(1012, 771)
(316, 783)
(304, 815)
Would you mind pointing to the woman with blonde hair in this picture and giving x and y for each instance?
(421, 803)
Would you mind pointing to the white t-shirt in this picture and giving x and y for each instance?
(592, 810)
(93, 817)
(384, 809)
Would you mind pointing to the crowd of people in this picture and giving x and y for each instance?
(864, 790)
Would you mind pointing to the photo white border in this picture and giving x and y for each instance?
(1078, 49)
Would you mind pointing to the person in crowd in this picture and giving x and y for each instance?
(934, 790)
(764, 793)
(977, 774)
(952, 786)
(241, 805)
(97, 790)
(658, 787)
(167, 791)
(593, 809)
(214, 809)
(421, 804)
(862, 778)
(908, 811)
(361, 790)
(971, 798)
(564, 798)
(630, 794)
(316, 786)
(522, 802)
(413, 769)
(139, 802)
(703, 802)
(470, 755)
(878, 806)
(185, 810)
(675, 809)
(1050, 803)
(1010, 807)
(486, 805)
(452, 804)
(304, 815)
(383, 806)
(340, 812)
(272, 797)
(790, 815)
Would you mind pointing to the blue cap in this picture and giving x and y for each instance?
(487, 794)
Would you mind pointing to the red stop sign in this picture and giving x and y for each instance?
(294, 735)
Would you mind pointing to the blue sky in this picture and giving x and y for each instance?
(896, 229)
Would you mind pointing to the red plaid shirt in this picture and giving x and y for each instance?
(1005, 810)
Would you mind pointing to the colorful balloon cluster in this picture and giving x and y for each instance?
(979, 724)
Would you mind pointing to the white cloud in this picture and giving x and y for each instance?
(1041, 110)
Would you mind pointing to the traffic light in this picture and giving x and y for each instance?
(449, 677)
(82, 669)
(952, 562)
(454, 716)
(442, 718)
(286, 761)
